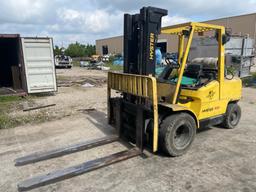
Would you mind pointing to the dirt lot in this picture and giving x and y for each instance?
(72, 97)
(219, 160)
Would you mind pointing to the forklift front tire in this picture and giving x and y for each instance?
(177, 133)
(232, 116)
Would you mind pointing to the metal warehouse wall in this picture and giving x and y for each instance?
(243, 24)
(115, 45)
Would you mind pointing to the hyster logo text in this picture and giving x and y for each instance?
(151, 46)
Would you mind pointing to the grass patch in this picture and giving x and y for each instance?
(247, 81)
(76, 63)
(7, 105)
(9, 118)
(108, 64)
(6, 99)
(254, 75)
(5, 121)
(114, 67)
(250, 81)
(62, 78)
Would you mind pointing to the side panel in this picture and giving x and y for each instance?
(205, 101)
(232, 89)
(39, 65)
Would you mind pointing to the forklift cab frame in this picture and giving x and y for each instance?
(188, 30)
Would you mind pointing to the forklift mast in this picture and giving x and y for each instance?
(140, 36)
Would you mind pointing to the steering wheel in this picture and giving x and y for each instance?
(172, 63)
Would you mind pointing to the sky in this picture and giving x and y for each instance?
(68, 21)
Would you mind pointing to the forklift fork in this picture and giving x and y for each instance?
(40, 156)
(88, 166)
(69, 172)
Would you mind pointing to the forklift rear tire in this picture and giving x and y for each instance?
(232, 116)
(177, 132)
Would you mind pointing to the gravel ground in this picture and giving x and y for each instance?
(71, 98)
(219, 159)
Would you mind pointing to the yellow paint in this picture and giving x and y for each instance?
(151, 46)
(181, 47)
(182, 67)
(205, 102)
(143, 86)
(200, 27)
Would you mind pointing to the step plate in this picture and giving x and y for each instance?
(76, 170)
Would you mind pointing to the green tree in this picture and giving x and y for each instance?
(90, 50)
(80, 50)
(57, 50)
(75, 50)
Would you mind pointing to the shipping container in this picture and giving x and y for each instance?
(26, 65)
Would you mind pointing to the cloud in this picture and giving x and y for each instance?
(172, 20)
(95, 21)
(87, 20)
(186, 8)
(26, 11)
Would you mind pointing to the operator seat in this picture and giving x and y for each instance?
(194, 71)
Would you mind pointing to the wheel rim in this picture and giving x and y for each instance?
(181, 137)
(234, 118)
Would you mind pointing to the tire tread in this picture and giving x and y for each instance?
(166, 127)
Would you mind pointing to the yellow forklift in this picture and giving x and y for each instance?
(156, 111)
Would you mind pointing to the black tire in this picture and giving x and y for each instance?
(232, 116)
(177, 133)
